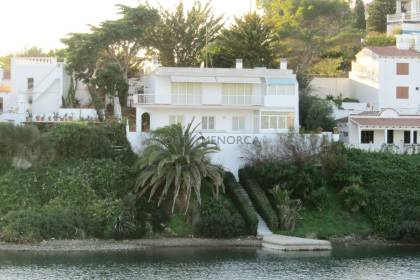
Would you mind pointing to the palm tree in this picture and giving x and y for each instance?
(176, 159)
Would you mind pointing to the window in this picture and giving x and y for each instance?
(402, 68)
(1, 104)
(237, 94)
(277, 120)
(281, 90)
(174, 119)
(207, 123)
(390, 137)
(415, 137)
(238, 123)
(30, 83)
(367, 136)
(402, 92)
(407, 137)
(186, 93)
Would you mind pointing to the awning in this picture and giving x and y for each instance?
(189, 79)
(387, 122)
(281, 82)
(238, 80)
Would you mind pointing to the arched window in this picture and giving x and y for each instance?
(145, 122)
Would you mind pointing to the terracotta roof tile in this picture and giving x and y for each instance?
(393, 51)
(390, 122)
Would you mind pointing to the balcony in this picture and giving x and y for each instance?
(401, 17)
(195, 100)
(144, 99)
(241, 100)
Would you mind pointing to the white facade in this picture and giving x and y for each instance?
(384, 130)
(38, 87)
(231, 107)
(387, 77)
(221, 100)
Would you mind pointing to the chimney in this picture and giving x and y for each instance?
(283, 64)
(239, 63)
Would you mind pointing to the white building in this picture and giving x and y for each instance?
(237, 100)
(406, 18)
(39, 86)
(386, 81)
(232, 107)
(385, 129)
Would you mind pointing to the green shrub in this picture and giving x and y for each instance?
(179, 225)
(74, 199)
(319, 197)
(409, 231)
(23, 146)
(259, 199)
(218, 222)
(354, 197)
(79, 141)
(287, 208)
(233, 190)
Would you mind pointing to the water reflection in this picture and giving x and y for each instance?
(217, 263)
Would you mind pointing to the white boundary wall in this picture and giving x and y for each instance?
(231, 146)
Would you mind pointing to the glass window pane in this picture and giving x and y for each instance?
(211, 122)
(242, 123)
(273, 122)
(264, 122)
(204, 122)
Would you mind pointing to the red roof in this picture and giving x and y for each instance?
(392, 51)
(5, 88)
(390, 122)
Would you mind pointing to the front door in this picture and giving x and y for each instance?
(390, 137)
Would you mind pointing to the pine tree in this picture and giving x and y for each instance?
(377, 12)
(359, 15)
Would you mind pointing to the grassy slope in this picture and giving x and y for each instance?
(332, 221)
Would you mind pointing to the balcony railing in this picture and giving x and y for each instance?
(145, 99)
(189, 99)
(35, 60)
(403, 17)
(241, 99)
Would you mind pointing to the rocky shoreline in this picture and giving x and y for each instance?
(97, 245)
(100, 245)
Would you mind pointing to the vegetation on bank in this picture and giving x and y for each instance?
(324, 190)
(78, 181)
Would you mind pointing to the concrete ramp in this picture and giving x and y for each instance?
(290, 243)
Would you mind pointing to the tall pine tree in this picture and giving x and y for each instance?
(377, 12)
(359, 15)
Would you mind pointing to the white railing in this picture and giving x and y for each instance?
(186, 99)
(241, 99)
(403, 16)
(35, 60)
(144, 99)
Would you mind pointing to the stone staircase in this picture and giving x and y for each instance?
(262, 226)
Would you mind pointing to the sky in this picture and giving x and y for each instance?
(42, 23)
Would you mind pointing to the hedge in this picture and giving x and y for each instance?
(259, 199)
(241, 202)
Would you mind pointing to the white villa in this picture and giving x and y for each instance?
(233, 101)
(406, 17)
(37, 90)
